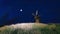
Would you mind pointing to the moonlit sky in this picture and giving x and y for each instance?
(10, 11)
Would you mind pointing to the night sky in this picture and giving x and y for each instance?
(49, 11)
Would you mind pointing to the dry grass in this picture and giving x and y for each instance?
(37, 28)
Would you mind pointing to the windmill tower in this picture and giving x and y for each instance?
(36, 17)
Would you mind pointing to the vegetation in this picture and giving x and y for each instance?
(50, 29)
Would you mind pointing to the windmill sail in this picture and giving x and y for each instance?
(36, 12)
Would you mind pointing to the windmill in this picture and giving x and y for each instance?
(36, 17)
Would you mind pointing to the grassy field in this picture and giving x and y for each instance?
(50, 29)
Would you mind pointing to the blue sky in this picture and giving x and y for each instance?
(49, 11)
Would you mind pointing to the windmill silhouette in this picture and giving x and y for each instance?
(36, 17)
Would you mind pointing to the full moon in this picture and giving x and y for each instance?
(21, 10)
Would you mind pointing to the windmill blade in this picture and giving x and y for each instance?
(36, 12)
(33, 14)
